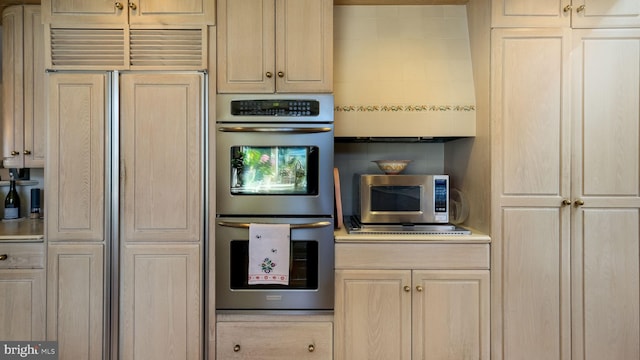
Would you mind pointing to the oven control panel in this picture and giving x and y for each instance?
(275, 107)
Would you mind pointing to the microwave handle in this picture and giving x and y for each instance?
(276, 129)
(314, 225)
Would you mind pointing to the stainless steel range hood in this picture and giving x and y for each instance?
(403, 71)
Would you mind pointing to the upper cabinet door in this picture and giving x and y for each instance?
(161, 156)
(193, 12)
(574, 13)
(267, 46)
(605, 13)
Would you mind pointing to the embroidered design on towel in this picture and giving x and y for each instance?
(267, 265)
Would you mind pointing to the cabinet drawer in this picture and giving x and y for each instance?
(412, 256)
(22, 256)
(275, 340)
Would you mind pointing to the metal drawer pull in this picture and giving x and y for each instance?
(276, 130)
(293, 226)
(311, 348)
(4, 257)
(236, 348)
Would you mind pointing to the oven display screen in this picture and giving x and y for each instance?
(275, 107)
(395, 198)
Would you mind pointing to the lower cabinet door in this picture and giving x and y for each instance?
(75, 300)
(161, 297)
(274, 341)
(22, 304)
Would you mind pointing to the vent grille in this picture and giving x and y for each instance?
(97, 48)
(167, 47)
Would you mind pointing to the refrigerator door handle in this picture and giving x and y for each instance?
(314, 225)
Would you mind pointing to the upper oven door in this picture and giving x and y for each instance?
(274, 169)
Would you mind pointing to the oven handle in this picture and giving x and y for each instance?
(314, 225)
(276, 129)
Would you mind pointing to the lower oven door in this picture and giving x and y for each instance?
(311, 266)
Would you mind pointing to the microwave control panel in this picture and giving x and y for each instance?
(440, 198)
(263, 107)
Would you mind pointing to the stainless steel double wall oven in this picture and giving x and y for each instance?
(274, 164)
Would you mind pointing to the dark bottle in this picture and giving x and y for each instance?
(12, 202)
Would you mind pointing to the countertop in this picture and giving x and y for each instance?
(342, 236)
(22, 230)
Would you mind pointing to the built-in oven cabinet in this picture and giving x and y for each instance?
(423, 301)
(274, 340)
(267, 46)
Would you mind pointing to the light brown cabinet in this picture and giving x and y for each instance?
(147, 12)
(23, 127)
(23, 288)
(160, 214)
(566, 13)
(565, 203)
(161, 223)
(274, 340)
(267, 46)
(426, 310)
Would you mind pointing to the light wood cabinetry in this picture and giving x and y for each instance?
(161, 221)
(23, 288)
(274, 340)
(416, 310)
(75, 208)
(160, 214)
(75, 299)
(566, 13)
(267, 46)
(565, 194)
(23, 127)
(153, 12)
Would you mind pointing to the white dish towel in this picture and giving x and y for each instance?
(269, 253)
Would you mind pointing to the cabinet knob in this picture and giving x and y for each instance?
(580, 9)
(268, 74)
(133, 6)
(119, 5)
(14, 153)
(3, 257)
(281, 74)
(236, 348)
(407, 288)
(578, 202)
(27, 152)
(419, 288)
(566, 9)
(311, 348)
(566, 202)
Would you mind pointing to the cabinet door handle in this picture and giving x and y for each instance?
(311, 348)
(27, 152)
(419, 288)
(119, 5)
(236, 348)
(14, 153)
(566, 9)
(4, 257)
(580, 9)
(268, 74)
(566, 202)
(133, 6)
(407, 288)
(578, 202)
(280, 74)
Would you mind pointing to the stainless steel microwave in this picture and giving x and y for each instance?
(404, 199)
